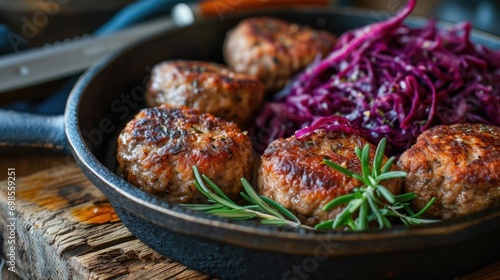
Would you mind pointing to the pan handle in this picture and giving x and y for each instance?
(35, 131)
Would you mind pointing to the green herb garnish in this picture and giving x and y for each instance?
(365, 203)
(261, 207)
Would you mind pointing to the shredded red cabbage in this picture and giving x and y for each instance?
(389, 80)
(335, 123)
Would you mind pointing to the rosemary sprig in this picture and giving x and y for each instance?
(365, 203)
(261, 207)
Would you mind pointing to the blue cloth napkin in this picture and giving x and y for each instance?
(139, 11)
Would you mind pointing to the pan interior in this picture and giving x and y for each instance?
(111, 93)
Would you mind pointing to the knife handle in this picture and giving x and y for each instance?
(217, 7)
(184, 14)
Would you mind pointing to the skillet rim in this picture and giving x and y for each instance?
(270, 239)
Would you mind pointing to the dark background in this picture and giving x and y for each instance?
(484, 14)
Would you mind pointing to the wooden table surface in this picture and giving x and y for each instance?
(66, 229)
(108, 250)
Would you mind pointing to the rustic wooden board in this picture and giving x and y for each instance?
(66, 229)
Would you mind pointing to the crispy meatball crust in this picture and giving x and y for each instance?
(459, 165)
(158, 148)
(208, 87)
(293, 175)
(273, 49)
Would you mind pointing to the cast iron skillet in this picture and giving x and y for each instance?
(111, 92)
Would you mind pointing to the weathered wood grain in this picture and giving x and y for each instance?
(66, 229)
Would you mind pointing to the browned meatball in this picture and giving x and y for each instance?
(274, 49)
(207, 87)
(292, 173)
(459, 165)
(159, 147)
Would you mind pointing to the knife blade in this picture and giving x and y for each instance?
(39, 65)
